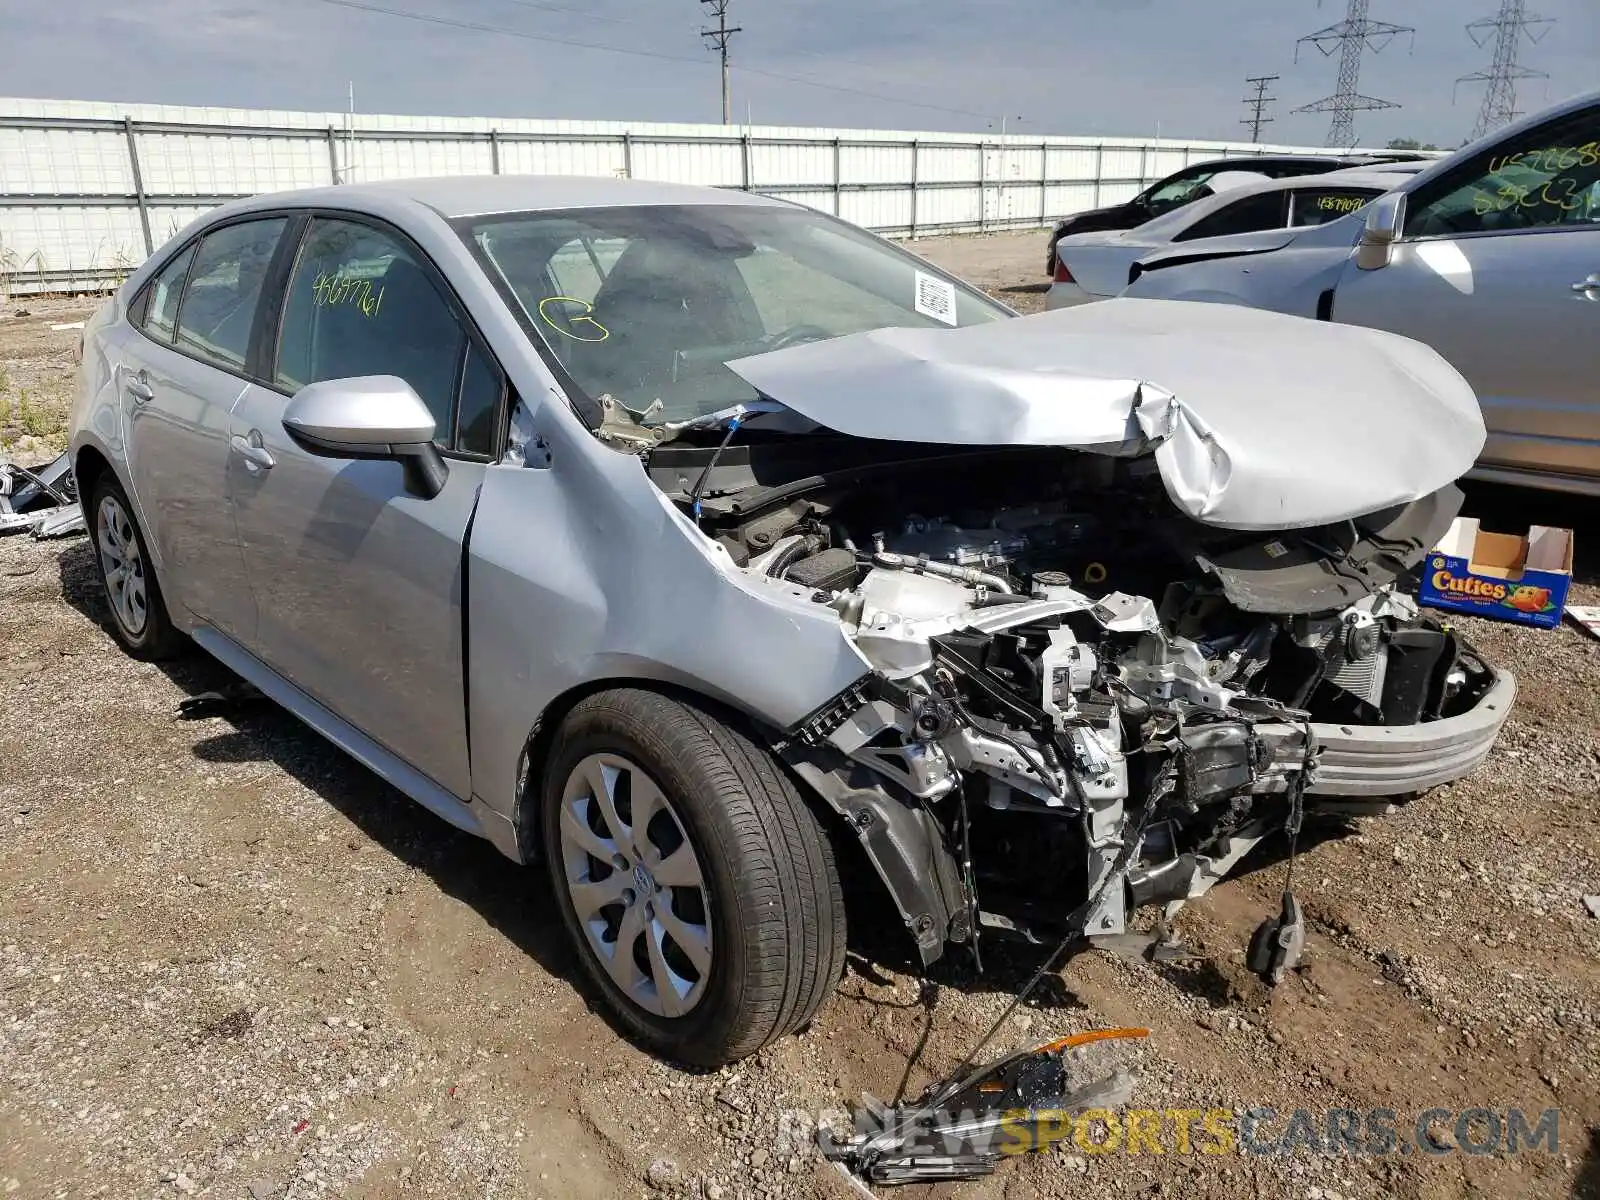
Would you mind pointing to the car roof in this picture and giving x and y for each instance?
(479, 195)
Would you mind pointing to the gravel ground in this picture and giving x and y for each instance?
(233, 963)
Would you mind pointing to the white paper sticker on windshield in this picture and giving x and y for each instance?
(936, 299)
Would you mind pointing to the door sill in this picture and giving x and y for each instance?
(384, 763)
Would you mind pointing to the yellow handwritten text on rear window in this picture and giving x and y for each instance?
(333, 290)
(1344, 204)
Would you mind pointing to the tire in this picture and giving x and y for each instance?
(766, 920)
(139, 619)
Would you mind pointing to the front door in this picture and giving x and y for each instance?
(1498, 269)
(359, 584)
(179, 378)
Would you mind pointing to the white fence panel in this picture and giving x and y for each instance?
(370, 161)
(88, 189)
(70, 161)
(209, 165)
(562, 158)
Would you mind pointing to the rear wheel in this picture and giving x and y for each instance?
(700, 890)
(139, 619)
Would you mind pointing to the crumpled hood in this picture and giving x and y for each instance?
(1257, 420)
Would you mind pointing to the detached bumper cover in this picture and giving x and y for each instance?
(1393, 760)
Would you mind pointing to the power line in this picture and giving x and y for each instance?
(718, 39)
(1258, 104)
(1505, 30)
(479, 27)
(1353, 37)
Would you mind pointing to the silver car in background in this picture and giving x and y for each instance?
(1094, 266)
(1490, 256)
(694, 542)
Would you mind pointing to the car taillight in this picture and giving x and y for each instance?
(1063, 273)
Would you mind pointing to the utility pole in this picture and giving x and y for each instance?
(1352, 37)
(717, 38)
(1258, 104)
(1505, 30)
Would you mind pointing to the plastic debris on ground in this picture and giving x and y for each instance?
(42, 499)
(1586, 617)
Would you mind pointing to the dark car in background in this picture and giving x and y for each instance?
(1189, 184)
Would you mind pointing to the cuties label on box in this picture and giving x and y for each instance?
(1500, 575)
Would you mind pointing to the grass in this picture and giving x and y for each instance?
(37, 420)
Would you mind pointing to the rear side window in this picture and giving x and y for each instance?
(359, 303)
(1318, 206)
(219, 302)
(1261, 211)
(160, 300)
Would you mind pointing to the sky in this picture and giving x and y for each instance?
(1118, 67)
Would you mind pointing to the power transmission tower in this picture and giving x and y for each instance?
(1353, 37)
(717, 38)
(1505, 30)
(1258, 104)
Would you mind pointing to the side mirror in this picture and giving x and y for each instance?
(1385, 217)
(370, 416)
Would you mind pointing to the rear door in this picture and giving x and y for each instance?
(179, 378)
(359, 584)
(1499, 270)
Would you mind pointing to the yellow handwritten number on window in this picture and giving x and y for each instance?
(567, 323)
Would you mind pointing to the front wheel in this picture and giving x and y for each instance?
(698, 887)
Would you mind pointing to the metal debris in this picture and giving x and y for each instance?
(43, 500)
(964, 1125)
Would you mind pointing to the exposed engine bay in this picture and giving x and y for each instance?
(1088, 701)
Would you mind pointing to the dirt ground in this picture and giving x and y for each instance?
(233, 963)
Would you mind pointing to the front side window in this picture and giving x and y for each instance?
(1547, 177)
(1318, 206)
(219, 301)
(359, 303)
(1264, 210)
(161, 298)
(649, 304)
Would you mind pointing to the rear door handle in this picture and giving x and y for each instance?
(1589, 287)
(139, 388)
(256, 456)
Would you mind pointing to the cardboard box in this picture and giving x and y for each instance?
(1500, 575)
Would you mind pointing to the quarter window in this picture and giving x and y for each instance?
(219, 301)
(1547, 177)
(1318, 206)
(1264, 210)
(161, 298)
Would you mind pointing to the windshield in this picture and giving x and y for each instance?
(648, 304)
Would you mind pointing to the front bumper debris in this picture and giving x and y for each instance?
(1394, 760)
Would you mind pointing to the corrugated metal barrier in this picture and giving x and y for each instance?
(88, 189)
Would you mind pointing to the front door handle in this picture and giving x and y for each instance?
(256, 456)
(1589, 287)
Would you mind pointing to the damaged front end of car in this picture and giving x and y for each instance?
(1118, 631)
(1068, 757)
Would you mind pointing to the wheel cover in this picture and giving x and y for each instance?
(123, 566)
(636, 885)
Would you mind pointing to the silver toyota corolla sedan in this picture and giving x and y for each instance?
(703, 546)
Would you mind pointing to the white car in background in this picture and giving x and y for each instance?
(1093, 266)
(1491, 256)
